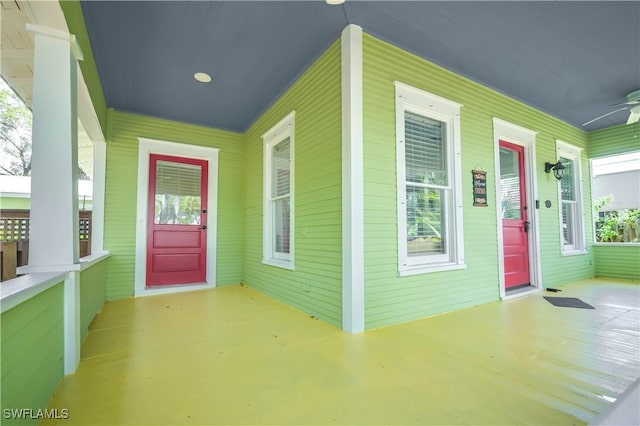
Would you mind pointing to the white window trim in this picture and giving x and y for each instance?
(415, 100)
(284, 129)
(574, 153)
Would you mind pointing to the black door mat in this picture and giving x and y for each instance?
(568, 302)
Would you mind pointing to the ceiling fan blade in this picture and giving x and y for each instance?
(626, 103)
(605, 115)
(634, 116)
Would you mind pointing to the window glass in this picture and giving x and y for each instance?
(425, 221)
(425, 152)
(281, 176)
(567, 183)
(178, 193)
(510, 184)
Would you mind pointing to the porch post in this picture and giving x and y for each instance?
(353, 315)
(54, 239)
(54, 233)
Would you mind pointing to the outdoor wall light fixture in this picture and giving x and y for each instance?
(558, 169)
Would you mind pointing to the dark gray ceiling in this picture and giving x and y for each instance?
(570, 59)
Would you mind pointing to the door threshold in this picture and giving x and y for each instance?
(520, 291)
(168, 289)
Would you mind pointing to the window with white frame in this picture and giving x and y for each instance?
(430, 236)
(278, 241)
(571, 212)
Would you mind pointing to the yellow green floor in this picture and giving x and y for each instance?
(235, 356)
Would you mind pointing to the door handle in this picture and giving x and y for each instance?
(203, 227)
(526, 226)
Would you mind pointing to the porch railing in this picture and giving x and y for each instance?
(14, 239)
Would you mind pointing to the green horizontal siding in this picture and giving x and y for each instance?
(32, 352)
(75, 21)
(614, 140)
(93, 293)
(390, 299)
(121, 194)
(315, 285)
(617, 261)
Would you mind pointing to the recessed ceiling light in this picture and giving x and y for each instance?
(202, 77)
(334, 2)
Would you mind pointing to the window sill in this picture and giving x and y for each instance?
(574, 253)
(617, 244)
(423, 269)
(278, 263)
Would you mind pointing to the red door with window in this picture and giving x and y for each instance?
(177, 221)
(515, 223)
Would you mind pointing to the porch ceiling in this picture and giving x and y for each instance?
(570, 59)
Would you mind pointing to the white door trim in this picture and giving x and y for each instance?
(145, 149)
(509, 132)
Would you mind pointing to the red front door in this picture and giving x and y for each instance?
(177, 221)
(515, 224)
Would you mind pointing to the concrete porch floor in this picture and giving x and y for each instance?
(235, 356)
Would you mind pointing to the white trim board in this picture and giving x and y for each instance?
(353, 308)
(145, 149)
(509, 132)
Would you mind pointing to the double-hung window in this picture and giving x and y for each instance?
(430, 236)
(571, 212)
(278, 226)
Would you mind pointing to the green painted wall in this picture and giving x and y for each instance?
(616, 261)
(15, 203)
(93, 293)
(121, 194)
(390, 299)
(32, 352)
(614, 140)
(316, 284)
(75, 21)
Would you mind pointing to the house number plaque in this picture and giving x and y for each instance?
(479, 188)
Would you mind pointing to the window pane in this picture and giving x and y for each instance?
(426, 215)
(280, 182)
(178, 193)
(568, 212)
(425, 150)
(510, 184)
(281, 224)
(567, 183)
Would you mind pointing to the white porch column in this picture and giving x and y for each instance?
(99, 177)
(54, 237)
(353, 317)
(54, 240)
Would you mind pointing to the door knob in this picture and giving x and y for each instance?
(203, 227)
(526, 226)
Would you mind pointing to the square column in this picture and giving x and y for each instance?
(54, 239)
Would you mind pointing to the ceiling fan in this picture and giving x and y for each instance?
(632, 104)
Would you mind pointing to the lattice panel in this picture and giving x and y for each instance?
(14, 229)
(85, 228)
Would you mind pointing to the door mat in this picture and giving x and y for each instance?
(568, 302)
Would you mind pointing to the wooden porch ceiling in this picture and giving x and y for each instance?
(234, 356)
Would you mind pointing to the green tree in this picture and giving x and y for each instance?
(15, 135)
